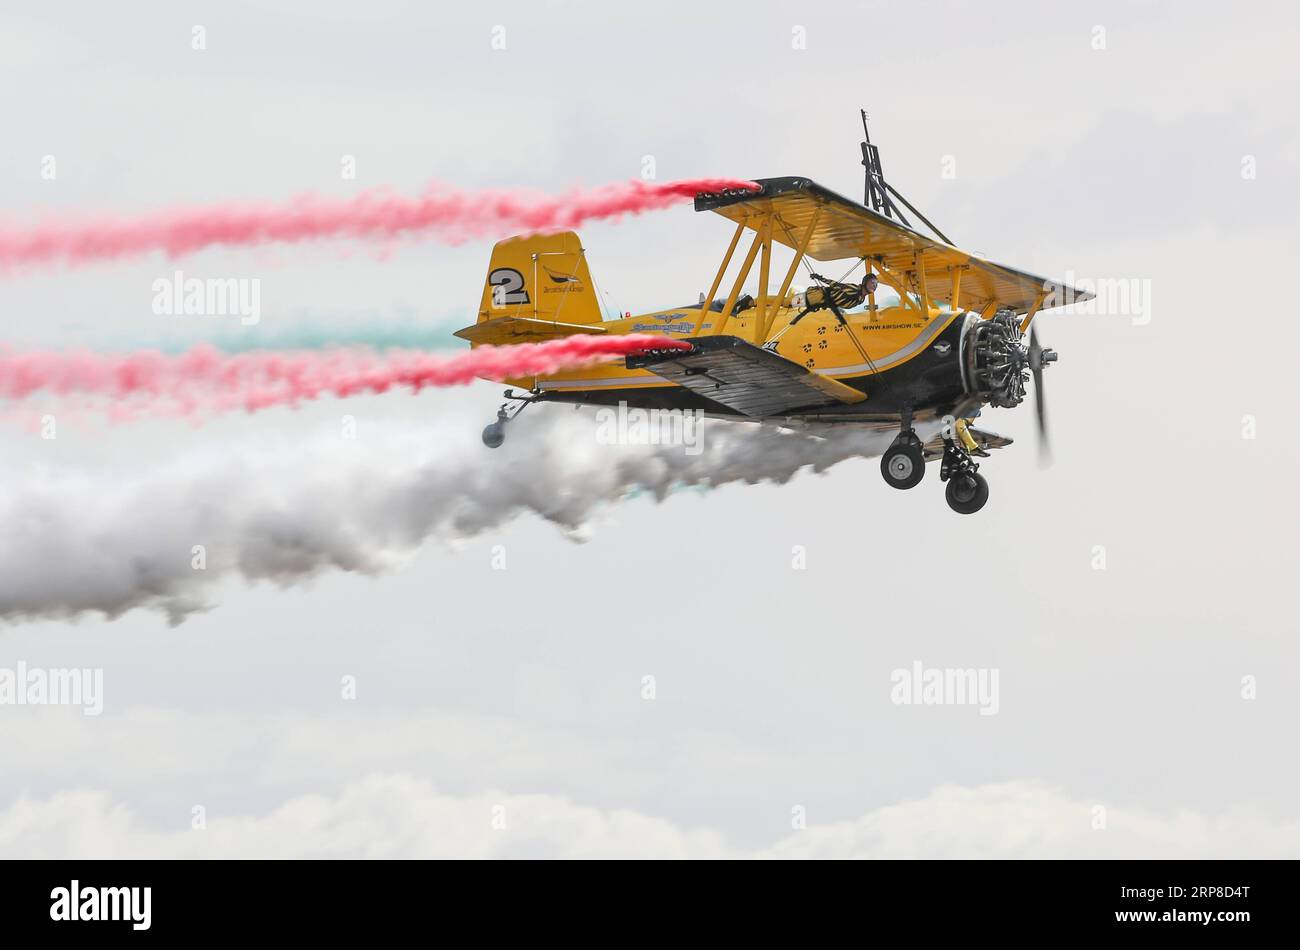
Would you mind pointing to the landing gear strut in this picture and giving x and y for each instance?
(967, 490)
(903, 463)
(494, 434)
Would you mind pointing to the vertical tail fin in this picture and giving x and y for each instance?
(541, 277)
(537, 288)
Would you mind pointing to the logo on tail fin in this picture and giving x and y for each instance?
(560, 278)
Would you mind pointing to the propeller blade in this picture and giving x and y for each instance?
(1038, 357)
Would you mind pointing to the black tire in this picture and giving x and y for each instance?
(903, 465)
(967, 494)
(494, 435)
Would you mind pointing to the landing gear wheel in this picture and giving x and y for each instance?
(494, 434)
(903, 465)
(967, 494)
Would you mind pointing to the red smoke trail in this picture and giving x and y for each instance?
(450, 215)
(205, 379)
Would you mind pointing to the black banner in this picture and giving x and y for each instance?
(332, 899)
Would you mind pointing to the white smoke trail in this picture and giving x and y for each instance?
(79, 542)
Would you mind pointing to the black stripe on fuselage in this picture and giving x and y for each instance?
(931, 380)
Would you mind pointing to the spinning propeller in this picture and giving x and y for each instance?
(1040, 356)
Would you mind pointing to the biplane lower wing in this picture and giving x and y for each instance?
(985, 440)
(745, 378)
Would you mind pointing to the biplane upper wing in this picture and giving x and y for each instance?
(832, 227)
(746, 378)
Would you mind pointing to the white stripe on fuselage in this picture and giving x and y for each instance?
(892, 359)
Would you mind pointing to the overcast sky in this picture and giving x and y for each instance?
(1149, 142)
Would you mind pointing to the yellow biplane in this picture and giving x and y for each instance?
(953, 342)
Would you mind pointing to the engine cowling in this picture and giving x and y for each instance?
(996, 360)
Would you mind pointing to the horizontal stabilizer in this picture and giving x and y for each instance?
(505, 330)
